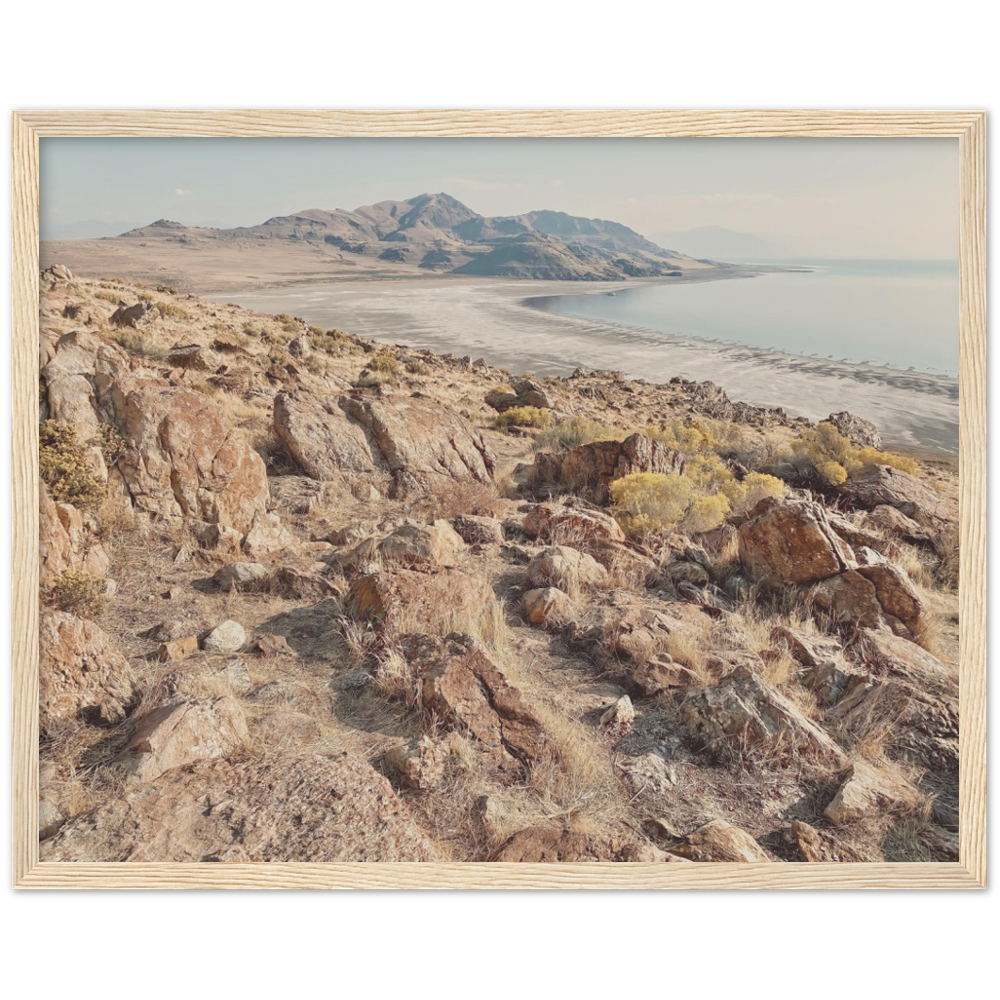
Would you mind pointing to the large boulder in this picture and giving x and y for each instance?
(405, 600)
(744, 708)
(371, 434)
(546, 844)
(411, 545)
(790, 542)
(563, 524)
(462, 688)
(817, 846)
(720, 841)
(80, 672)
(181, 732)
(589, 469)
(314, 807)
(185, 458)
(893, 588)
(882, 485)
(68, 542)
(565, 568)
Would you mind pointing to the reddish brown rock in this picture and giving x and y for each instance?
(561, 524)
(817, 846)
(184, 457)
(589, 470)
(80, 671)
(181, 732)
(882, 485)
(379, 434)
(867, 789)
(68, 542)
(788, 542)
(177, 649)
(438, 601)
(463, 688)
(743, 707)
(720, 841)
(544, 844)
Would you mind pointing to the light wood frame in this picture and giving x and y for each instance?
(969, 127)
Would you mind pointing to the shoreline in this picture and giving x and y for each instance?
(488, 318)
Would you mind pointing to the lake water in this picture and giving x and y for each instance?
(900, 313)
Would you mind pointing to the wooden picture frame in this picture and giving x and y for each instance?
(967, 126)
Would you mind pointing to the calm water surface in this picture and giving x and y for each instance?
(900, 313)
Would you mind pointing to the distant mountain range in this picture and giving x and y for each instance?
(436, 232)
(719, 243)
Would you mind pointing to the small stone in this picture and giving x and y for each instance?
(229, 637)
(240, 575)
(177, 649)
(272, 645)
(618, 718)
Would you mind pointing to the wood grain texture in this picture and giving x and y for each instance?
(464, 875)
(972, 473)
(500, 123)
(24, 681)
(968, 126)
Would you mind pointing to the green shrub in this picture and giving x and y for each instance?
(824, 455)
(78, 594)
(524, 416)
(63, 466)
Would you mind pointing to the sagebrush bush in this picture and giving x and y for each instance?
(78, 594)
(385, 362)
(173, 311)
(63, 466)
(571, 433)
(524, 416)
(822, 453)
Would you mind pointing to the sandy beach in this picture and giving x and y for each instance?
(494, 320)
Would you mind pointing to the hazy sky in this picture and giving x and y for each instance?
(833, 197)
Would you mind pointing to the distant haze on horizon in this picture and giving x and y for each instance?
(889, 198)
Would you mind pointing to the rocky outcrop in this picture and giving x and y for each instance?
(867, 789)
(744, 708)
(545, 844)
(279, 808)
(463, 689)
(720, 841)
(379, 434)
(786, 542)
(182, 732)
(882, 485)
(438, 602)
(589, 469)
(566, 569)
(861, 432)
(185, 458)
(80, 673)
(68, 542)
(525, 393)
(129, 315)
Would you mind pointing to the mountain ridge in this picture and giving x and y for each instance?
(437, 232)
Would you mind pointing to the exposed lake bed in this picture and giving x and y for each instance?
(501, 321)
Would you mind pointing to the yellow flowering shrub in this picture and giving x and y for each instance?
(824, 452)
(524, 416)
